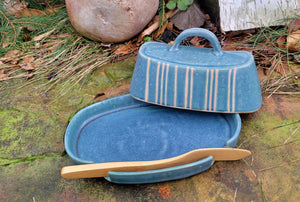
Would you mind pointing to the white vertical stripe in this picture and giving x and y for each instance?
(156, 85)
(186, 90)
(175, 86)
(147, 81)
(233, 90)
(162, 83)
(216, 89)
(191, 87)
(166, 84)
(228, 90)
(211, 88)
(206, 89)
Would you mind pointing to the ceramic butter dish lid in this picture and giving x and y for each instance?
(206, 79)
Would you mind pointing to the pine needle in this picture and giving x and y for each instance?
(281, 74)
(12, 25)
(62, 56)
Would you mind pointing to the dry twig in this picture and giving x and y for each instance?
(153, 27)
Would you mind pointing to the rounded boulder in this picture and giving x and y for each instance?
(110, 21)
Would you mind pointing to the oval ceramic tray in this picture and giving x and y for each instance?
(124, 129)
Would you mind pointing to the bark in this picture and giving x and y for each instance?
(241, 14)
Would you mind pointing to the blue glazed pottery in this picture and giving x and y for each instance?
(205, 79)
(160, 175)
(125, 129)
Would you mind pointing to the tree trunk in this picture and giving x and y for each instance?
(246, 14)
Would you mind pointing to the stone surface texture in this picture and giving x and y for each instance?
(32, 154)
(110, 20)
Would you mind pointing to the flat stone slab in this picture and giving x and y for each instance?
(32, 154)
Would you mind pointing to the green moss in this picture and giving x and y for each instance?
(9, 134)
(12, 161)
(29, 133)
(95, 83)
(270, 130)
(273, 137)
(275, 143)
(38, 178)
(9, 121)
(26, 181)
(120, 71)
(118, 74)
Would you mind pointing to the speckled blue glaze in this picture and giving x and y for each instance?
(125, 129)
(160, 175)
(205, 79)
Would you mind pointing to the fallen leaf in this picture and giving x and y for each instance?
(28, 58)
(53, 9)
(42, 36)
(35, 12)
(198, 41)
(29, 12)
(125, 48)
(3, 75)
(27, 66)
(15, 67)
(281, 42)
(293, 41)
(165, 191)
(36, 64)
(12, 57)
(12, 53)
(14, 6)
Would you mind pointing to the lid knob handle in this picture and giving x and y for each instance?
(211, 37)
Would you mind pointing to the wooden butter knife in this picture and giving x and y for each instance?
(102, 169)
